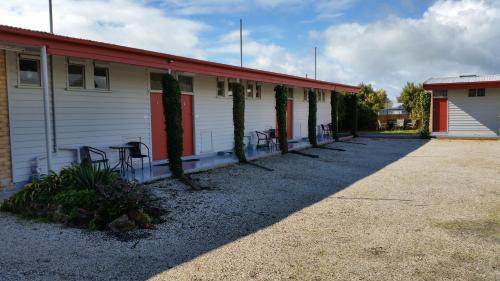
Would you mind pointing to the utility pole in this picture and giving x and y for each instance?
(241, 42)
(315, 50)
(50, 15)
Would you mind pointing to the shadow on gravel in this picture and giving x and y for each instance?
(246, 200)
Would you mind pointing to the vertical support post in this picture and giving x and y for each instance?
(50, 15)
(315, 65)
(46, 105)
(241, 42)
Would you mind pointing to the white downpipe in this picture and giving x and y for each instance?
(46, 105)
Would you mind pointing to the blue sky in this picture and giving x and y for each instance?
(385, 43)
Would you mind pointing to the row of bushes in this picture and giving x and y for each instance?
(86, 197)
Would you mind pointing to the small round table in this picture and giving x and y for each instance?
(122, 158)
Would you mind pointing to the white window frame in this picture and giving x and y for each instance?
(230, 81)
(32, 58)
(217, 81)
(108, 76)
(192, 82)
(252, 88)
(258, 87)
(78, 63)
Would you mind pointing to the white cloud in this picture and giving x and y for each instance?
(451, 38)
(124, 22)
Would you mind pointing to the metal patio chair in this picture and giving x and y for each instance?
(135, 152)
(262, 138)
(94, 156)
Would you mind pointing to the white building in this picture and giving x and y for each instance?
(101, 94)
(465, 107)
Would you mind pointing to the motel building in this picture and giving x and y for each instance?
(465, 107)
(58, 94)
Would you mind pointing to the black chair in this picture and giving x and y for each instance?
(325, 129)
(273, 138)
(262, 137)
(135, 152)
(94, 156)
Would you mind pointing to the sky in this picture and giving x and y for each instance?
(384, 43)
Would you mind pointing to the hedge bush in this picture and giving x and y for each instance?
(82, 196)
(426, 114)
(281, 96)
(239, 121)
(312, 119)
(334, 103)
(173, 122)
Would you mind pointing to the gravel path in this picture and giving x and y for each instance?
(386, 210)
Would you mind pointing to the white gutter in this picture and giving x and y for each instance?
(46, 105)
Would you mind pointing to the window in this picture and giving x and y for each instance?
(249, 90)
(440, 93)
(221, 87)
(290, 93)
(477, 92)
(323, 96)
(258, 91)
(101, 78)
(29, 72)
(306, 94)
(186, 83)
(76, 76)
(155, 81)
(230, 86)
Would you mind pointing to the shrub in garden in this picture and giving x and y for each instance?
(334, 103)
(426, 114)
(173, 122)
(311, 121)
(281, 96)
(239, 121)
(83, 196)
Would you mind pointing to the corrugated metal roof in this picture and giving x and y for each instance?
(464, 79)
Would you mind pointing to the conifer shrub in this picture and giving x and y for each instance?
(281, 96)
(239, 121)
(312, 118)
(173, 122)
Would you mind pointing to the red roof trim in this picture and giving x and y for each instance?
(462, 86)
(74, 47)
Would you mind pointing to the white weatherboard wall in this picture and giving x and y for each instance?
(473, 116)
(83, 117)
(105, 118)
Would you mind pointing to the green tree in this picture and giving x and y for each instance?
(281, 96)
(370, 102)
(312, 118)
(173, 122)
(411, 99)
(239, 121)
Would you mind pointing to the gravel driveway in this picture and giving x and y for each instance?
(381, 210)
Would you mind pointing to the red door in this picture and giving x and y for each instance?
(159, 135)
(289, 119)
(440, 115)
(187, 124)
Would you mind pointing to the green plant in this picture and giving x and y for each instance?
(334, 103)
(239, 121)
(281, 96)
(173, 120)
(426, 114)
(311, 121)
(82, 196)
(351, 103)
